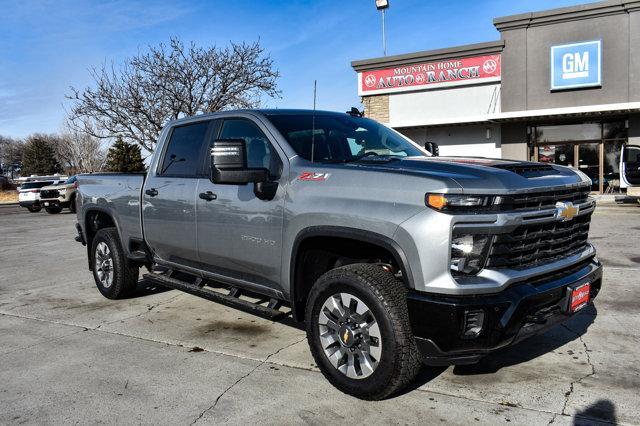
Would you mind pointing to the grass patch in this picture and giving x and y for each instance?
(9, 196)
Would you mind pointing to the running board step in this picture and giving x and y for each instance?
(232, 299)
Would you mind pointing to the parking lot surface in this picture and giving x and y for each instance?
(68, 355)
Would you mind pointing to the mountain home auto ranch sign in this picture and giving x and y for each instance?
(450, 72)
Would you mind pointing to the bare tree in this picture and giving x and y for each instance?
(79, 152)
(134, 101)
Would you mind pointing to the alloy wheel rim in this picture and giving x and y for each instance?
(104, 265)
(350, 335)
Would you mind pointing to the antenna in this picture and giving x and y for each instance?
(313, 121)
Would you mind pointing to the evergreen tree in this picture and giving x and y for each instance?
(39, 156)
(124, 157)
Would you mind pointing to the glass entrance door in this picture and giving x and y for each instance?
(589, 162)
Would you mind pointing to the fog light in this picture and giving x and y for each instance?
(468, 253)
(473, 323)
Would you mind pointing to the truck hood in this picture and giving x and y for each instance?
(486, 175)
(58, 186)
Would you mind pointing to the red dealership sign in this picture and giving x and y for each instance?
(430, 74)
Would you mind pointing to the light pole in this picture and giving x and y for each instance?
(381, 5)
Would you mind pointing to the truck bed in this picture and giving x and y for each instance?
(117, 194)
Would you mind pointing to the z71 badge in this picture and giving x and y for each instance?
(312, 176)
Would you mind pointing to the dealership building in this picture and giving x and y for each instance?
(560, 86)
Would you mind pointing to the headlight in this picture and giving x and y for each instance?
(468, 253)
(453, 201)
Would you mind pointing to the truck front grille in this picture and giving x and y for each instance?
(535, 244)
(546, 199)
(49, 193)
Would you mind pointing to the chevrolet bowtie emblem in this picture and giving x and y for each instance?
(566, 210)
(345, 337)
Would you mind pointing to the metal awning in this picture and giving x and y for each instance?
(586, 111)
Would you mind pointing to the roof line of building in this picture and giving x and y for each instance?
(564, 14)
(430, 55)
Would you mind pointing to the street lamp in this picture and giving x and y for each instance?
(381, 5)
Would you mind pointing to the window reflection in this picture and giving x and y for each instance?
(558, 154)
(568, 132)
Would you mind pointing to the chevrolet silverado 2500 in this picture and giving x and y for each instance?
(391, 256)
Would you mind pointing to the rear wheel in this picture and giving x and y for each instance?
(113, 275)
(53, 210)
(34, 208)
(359, 333)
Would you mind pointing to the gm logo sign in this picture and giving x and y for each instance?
(576, 65)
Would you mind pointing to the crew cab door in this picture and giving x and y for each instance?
(170, 192)
(239, 235)
(630, 166)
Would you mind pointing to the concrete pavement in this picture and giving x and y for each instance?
(68, 355)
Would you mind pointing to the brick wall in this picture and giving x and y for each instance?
(376, 107)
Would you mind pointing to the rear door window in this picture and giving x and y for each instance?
(182, 157)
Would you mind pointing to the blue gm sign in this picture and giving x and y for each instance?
(576, 65)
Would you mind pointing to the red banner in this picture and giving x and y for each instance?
(415, 76)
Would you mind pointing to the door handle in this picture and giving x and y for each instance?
(208, 196)
(151, 192)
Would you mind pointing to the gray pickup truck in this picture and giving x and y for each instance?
(393, 257)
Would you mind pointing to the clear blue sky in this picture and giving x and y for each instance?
(47, 46)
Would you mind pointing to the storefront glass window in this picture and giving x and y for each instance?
(558, 154)
(568, 132)
(579, 145)
(614, 130)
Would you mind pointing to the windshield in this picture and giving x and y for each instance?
(340, 139)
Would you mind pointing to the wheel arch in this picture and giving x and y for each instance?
(299, 289)
(94, 219)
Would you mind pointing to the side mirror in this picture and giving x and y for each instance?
(433, 148)
(229, 164)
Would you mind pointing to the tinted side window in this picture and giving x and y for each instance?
(183, 154)
(260, 153)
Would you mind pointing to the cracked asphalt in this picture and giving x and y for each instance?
(67, 355)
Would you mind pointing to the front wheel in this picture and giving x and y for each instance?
(359, 333)
(113, 275)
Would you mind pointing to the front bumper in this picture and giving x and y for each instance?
(520, 311)
(29, 203)
(55, 202)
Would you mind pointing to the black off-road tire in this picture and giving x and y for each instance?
(34, 209)
(385, 296)
(125, 276)
(53, 210)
